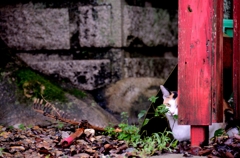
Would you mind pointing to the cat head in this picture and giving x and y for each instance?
(170, 101)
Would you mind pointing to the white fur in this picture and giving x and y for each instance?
(232, 131)
(182, 132)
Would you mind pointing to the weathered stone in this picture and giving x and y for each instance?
(117, 61)
(40, 57)
(116, 21)
(116, 57)
(95, 28)
(14, 111)
(149, 67)
(147, 26)
(131, 95)
(33, 29)
(85, 74)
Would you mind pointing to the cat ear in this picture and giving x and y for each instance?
(165, 92)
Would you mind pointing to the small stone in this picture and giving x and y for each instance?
(65, 134)
(89, 132)
(82, 155)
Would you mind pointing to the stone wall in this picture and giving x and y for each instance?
(88, 42)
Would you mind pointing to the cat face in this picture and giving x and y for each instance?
(170, 101)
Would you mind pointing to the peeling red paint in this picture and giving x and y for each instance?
(200, 64)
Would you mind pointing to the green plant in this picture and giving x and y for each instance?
(153, 99)
(21, 126)
(219, 132)
(161, 110)
(30, 126)
(60, 125)
(1, 152)
(147, 145)
(109, 130)
(141, 117)
(124, 117)
(141, 114)
(10, 127)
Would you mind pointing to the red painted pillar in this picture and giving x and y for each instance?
(200, 65)
(236, 56)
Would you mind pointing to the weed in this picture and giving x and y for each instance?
(148, 145)
(21, 126)
(219, 132)
(153, 99)
(161, 110)
(109, 130)
(124, 117)
(1, 152)
(142, 114)
(60, 125)
(10, 127)
(30, 126)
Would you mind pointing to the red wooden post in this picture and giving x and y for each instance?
(200, 65)
(236, 56)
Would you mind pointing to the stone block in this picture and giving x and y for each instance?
(40, 57)
(148, 27)
(95, 28)
(34, 29)
(116, 57)
(85, 74)
(149, 67)
(116, 21)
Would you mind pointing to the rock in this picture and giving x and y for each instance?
(89, 132)
(95, 28)
(149, 67)
(16, 109)
(131, 95)
(28, 28)
(84, 74)
(155, 25)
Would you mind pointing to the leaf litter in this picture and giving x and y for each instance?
(82, 140)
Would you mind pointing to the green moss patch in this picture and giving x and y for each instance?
(35, 85)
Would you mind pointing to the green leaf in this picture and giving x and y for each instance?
(153, 99)
(219, 132)
(21, 126)
(146, 121)
(161, 110)
(175, 117)
(1, 152)
(174, 143)
(141, 114)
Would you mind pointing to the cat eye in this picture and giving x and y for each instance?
(168, 105)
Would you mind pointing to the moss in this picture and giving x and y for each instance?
(35, 85)
(77, 93)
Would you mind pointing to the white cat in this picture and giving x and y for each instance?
(182, 132)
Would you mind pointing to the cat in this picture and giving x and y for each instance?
(182, 132)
